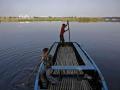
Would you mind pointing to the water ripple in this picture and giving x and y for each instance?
(17, 65)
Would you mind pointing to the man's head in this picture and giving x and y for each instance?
(45, 50)
(64, 25)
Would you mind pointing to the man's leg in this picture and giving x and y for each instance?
(62, 38)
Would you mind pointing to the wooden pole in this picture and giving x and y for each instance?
(68, 29)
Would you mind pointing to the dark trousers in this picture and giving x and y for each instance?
(62, 39)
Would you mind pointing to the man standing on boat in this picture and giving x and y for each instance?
(62, 33)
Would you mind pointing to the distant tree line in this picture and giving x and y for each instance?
(72, 19)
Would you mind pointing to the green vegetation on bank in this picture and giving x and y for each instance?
(72, 19)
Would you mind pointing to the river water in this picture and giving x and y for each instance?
(21, 45)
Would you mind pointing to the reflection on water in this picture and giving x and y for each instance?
(21, 44)
(16, 66)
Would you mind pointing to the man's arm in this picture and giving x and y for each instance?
(66, 30)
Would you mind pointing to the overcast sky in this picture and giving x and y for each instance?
(92, 8)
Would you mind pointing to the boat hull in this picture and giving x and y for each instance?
(73, 68)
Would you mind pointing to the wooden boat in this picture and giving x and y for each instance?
(73, 68)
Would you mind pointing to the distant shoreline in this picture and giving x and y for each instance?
(71, 19)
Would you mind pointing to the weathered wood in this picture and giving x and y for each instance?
(66, 57)
(71, 84)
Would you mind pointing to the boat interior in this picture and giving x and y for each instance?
(72, 69)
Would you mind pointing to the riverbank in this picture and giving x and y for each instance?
(71, 19)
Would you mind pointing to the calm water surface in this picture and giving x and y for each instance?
(21, 44)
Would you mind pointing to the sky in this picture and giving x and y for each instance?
(83, 8)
